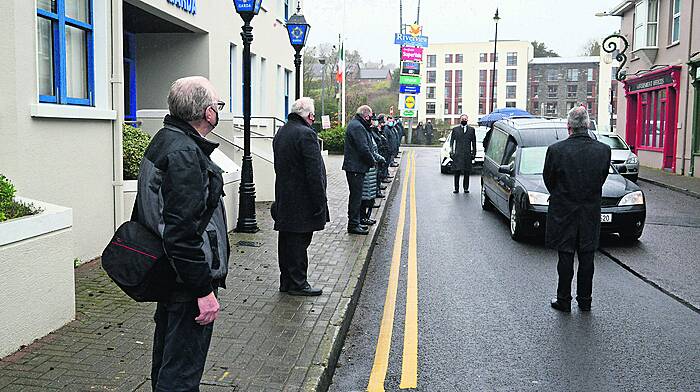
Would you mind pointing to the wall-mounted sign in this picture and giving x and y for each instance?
(657, 82)
(411, 53)
(297, 34)
(409, 89)
(247, 5)
(326, 122)
(412, 80)
(189, 6)
(408, 105)
(410, 68)
(408, 39)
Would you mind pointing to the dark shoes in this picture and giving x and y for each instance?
(466, 191)
(561, 305)
(386, 181)
(455, 191)
(360, 230)
(368, 222)
(380, 195)
(394, 164)
(306, 291)
(383, 187)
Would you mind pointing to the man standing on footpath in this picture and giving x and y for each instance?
(575, 170)
(463, 150)
(180, 189)
(429, 131)
(357, 161)
(301, 205)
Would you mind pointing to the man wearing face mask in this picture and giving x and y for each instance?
(180, 191)
(463, 150)
(300, 206)
(357, 161)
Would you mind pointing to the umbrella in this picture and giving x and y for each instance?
(502, 113)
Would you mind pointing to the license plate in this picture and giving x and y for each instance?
(606, 218)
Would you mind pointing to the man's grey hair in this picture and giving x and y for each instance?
(578, 119)
(364, 110)
(303, 107)
(190, 97)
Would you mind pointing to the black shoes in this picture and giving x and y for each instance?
(380, 195)
(306, 291)
(394, 164)
(455, 191)
(561, 305)
(368, 222)
(382, 187)
(360, 230)
(466, 191)
(386, 181)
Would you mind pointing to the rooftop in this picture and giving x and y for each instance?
(375, 73)
(565, 60)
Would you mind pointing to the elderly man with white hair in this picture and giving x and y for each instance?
(300, 206)
(575, 170)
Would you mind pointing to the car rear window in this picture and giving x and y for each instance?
(613, 142)
(532, 160)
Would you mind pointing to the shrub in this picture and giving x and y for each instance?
(134, 146)
(333, 139)
(9, 208)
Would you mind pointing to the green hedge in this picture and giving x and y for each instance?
(135, 143)
(333, 139)
(9, 208)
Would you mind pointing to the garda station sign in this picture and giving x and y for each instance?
(409, 89)
(246, 5)
(411, 53)
(410, 68)
(408, 105)
(410, 40)
(410, 79)
(650, 84)
(189, 6)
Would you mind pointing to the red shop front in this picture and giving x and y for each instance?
(652, 113)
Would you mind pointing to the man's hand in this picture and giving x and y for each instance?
(208, 309)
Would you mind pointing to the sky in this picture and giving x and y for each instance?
(563, 25)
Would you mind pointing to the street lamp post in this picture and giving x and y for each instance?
(298, 31)
(247, 223)
(323, 87)
(496, 18)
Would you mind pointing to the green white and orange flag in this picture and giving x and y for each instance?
(340, 73)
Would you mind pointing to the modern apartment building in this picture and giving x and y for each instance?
(557, 84)
(659, 99)
(457, 78)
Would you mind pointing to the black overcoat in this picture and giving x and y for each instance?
(358, 157)
(463, 147)
(300, 203)
(575, 170)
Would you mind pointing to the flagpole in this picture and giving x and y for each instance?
(345, 76)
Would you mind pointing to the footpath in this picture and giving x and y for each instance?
(264, 340)
(684, 184)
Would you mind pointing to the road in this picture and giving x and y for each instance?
(481, 302)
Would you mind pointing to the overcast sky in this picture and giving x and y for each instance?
(563, 25)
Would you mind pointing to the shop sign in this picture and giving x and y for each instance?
(410, 68)
(410, 79)
(189, 6)
(411, 53)
(410, 40)
(407, 105)
(647, 84)
(409, 89)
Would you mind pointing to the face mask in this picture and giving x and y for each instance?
(464, 123)
(375, 123)
(390, 123)
(215, 122)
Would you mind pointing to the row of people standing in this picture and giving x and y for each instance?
(371, 146)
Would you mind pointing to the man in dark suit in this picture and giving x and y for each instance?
(575, 170)
(463, 150)
(357, 161)
(300, 206)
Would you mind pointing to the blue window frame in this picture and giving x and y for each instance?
(66, 52)
(286, 10)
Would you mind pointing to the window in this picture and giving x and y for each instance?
(448, 76)
(482, 91)
(430, 108)
(535, 108)
(287, 83)
(483, 57)
(448, 91)
(590, 90)
(511, 75)
(591, 109)
(432, 75)
(447, 107)
(646, 21)
(550, 108)
(285, 8)
(512, 59)
(510, 92)
(570, 105)
(432, 61)
(482, 75)
(459, 108)
(482, 107)
(571, 91)
(430, 92)
(491, 58)
(65, 50)
(459, 58)
(497, 145)
(552, 75)
(233, 76)
(448, 58)
(552, 92)
(510, 104)
(590, 74)
(572, 75)
(458, 76)
(676, 21)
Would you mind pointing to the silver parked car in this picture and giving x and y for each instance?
(622, 157)
(477, 162)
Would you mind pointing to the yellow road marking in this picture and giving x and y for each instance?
(381, 354)
(409, 367)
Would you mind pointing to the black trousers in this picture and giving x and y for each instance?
(180, 347)
(465, 182)
(584, 277)
(293, 259)
(366, 209)
(355, 181)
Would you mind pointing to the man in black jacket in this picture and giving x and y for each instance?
(575, 170)
(357, 161)
(300, 206)
(179, 189)
(463, 150)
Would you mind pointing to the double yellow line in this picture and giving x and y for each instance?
(409, 367)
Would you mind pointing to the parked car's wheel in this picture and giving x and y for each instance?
(630, 237)
(516, 227)
(485, 202)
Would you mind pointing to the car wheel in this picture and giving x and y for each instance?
(485, 202)
(630, 237)
(516, 229)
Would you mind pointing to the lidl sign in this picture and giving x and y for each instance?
(412, 80)
(410, 40)
(408, 105)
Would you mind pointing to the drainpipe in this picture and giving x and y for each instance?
(117, 90)
(687, 97)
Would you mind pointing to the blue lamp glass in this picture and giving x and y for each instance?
(248, 6)
(298, 30)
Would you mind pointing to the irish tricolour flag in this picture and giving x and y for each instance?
(341, 65)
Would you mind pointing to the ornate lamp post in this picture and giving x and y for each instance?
(496, 18)
(298, 31)
(247, 223)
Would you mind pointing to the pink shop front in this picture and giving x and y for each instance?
(652, 116)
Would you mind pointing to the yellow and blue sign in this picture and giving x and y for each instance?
(410, 40)
(408, 105)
